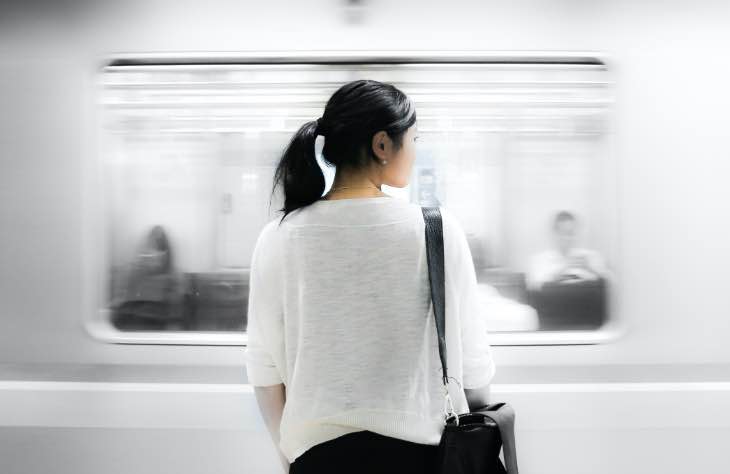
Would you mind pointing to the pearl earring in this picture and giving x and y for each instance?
(385, 161)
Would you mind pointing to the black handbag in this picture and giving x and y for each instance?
(470, 442)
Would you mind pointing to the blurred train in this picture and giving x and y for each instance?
(138, 142)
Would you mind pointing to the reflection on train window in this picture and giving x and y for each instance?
(516, 151)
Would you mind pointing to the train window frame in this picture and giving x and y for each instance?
(95, 239)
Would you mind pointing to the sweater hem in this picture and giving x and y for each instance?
(296, 440)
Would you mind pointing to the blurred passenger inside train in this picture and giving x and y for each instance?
(568, 285)
(152, 297)
(566, 263)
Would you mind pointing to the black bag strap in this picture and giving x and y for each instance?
(435, 258)
(501, 413)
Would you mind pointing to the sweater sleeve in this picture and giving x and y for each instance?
(265, 324)
(478, 365)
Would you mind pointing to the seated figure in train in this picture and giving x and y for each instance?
(151, 298)
(566, 263)
(567, 284)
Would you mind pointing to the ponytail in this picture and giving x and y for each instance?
(299, 170)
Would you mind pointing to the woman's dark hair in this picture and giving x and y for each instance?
(354, 113)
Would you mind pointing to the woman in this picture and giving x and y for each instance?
(151, 297)
(342, 346)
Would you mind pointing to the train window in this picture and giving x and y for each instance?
(516, 147)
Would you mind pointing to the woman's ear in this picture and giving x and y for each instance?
(380, 145)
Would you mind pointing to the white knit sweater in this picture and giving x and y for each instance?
(340, 312)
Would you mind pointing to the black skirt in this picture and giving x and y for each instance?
(366, 452)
